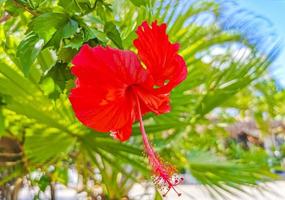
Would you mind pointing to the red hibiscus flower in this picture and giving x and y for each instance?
(115, 88)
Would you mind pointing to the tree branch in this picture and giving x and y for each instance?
(19, 5)
(5, 17)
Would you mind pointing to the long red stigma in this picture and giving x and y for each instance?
(165, 176)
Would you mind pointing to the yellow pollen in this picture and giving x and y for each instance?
(143, 65)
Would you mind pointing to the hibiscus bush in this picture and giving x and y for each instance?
(43, 142)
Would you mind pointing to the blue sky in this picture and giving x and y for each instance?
(274, 10)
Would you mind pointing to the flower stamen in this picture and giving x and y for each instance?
(165, 177)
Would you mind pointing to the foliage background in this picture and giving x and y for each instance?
(227, 61)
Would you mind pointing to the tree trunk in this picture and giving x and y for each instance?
(16, 189)
(52, 191)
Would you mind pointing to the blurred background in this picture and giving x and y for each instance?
(272, 11)
(226, 130)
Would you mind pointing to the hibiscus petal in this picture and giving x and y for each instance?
(160, 57)
(124, 133)
(101, 99)
(151, 101)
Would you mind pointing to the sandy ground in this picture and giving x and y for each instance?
(269, 191)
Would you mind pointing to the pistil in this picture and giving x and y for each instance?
(165, 177)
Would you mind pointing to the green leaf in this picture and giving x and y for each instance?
(61, 175)
(76, 42)
(70, 6)
(53, 27)
(2, 124)
(47, 24)
(60, 73)
(112, 32)
(104, 11)
(66, 54)
(94, 33)
(87, 35)
(43, 182)
(139, 2)
(15, 82)
(35, 3)
(70, 28)
(40, 145)
(67, 30)
(48, 86)
(210, 169)
(28, 50)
